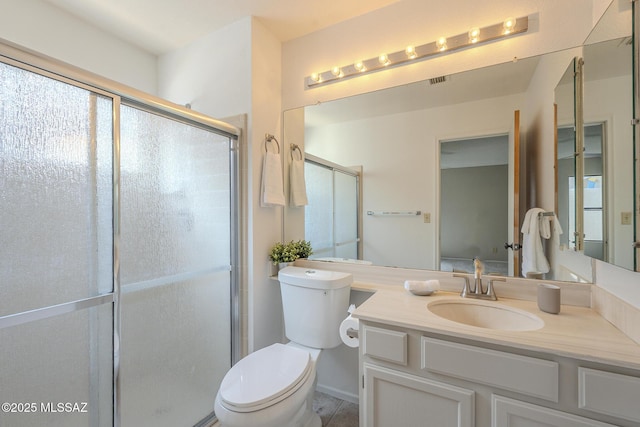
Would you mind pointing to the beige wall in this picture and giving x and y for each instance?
(39, 26)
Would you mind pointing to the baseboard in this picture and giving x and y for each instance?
(340, 394)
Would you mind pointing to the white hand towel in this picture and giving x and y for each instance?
(422, 287)
(557, 229)
(533, 258)
(547, 223)
(272, 190)
(297, 184)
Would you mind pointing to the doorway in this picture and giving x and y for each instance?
(474, 203)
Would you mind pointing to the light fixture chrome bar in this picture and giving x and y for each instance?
(54, 310)
(418, 53)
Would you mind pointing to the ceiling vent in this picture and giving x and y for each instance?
(436, 80)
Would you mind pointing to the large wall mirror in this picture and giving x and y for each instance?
(413, 145)
(595, 189)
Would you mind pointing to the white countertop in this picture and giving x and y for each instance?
(576, 332)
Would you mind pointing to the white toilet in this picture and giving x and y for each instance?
(274, 386)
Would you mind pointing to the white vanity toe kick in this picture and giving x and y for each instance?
(575, 332)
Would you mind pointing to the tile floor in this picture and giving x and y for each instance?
(335, 412)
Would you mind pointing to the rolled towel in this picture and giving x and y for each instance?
(422, 287)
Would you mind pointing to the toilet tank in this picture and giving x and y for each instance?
(314, 303)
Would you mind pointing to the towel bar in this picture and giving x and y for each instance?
(268, 138)
(394, 213)
(295, 147)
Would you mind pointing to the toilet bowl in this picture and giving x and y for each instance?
(274, 386)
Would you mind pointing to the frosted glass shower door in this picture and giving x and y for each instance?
(346, 215)
(175, 269)
(318, 220)
(56, 245)
(331, 217)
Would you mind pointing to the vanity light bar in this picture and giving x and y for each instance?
(509, 27)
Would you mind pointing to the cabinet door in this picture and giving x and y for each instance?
(394, 398)
(513, 413)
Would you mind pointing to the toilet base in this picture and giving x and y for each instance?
(305, 417)
(315, 421)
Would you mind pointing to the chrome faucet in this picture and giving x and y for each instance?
(477, 291)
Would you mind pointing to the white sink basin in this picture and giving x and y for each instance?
(485, 314)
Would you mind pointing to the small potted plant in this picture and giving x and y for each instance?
(282, 254)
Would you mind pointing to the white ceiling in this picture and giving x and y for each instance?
(159, 26)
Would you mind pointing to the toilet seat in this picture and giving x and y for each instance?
(265, 378)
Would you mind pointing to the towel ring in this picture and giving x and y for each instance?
(268, 138)
(295, 147)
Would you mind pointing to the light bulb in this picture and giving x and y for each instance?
(315, 77)
(411, 52)
(337, 72)
(441, 44)
(384, 59)
(359, 66)
(474, 35)
(508, 25)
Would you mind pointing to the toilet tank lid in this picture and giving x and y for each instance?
(314, 278)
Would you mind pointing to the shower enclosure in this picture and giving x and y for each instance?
(118, 253)
(332, 222)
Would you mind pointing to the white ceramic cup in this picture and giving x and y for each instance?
(549, 298)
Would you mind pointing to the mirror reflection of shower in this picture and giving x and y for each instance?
(595, 195)
(332, 217)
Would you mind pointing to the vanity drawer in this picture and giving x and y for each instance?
(610, 394)
(522, 374)
(385, 344)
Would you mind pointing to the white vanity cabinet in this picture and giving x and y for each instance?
(412, 378)
(395, 398)
(507, 412)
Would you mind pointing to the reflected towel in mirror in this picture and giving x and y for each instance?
(297, 186)
(534, 228)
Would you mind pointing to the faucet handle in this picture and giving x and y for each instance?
(467, 287)
(490, 292)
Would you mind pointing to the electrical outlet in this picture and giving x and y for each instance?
(427, 217)
(625, 218)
